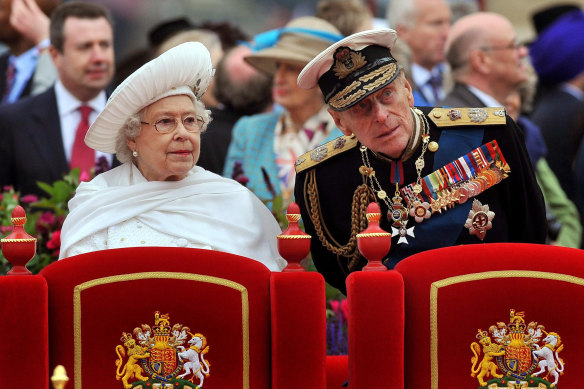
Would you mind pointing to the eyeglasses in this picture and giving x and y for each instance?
(511, 46)
(191, 123)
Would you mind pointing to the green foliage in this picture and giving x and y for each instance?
(45, 218)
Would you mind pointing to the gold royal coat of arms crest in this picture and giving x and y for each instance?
(517, 355)
(156, 357)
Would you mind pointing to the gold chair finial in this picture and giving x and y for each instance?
(59, 378)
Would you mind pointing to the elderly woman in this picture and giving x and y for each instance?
(274, 140)
(158, 196)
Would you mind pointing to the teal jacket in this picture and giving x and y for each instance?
(252, 144)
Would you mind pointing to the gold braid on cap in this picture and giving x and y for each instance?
(362, 196)
(344, 97)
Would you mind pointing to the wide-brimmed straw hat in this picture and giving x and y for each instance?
(183, 70)
(353, 68)
(297, 43)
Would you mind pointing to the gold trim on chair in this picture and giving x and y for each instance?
(475, 277)
(149, 275)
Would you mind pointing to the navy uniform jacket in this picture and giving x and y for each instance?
(516, 201)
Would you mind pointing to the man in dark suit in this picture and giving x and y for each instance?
(25, 67)
(485, 59)
(39, 133)
(423, 26)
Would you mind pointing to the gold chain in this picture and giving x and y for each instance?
(370, 173)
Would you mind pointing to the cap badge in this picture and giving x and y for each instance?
(347, 61)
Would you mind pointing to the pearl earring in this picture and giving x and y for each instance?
(135, 153)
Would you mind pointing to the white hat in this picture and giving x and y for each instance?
(183, 70)
(352, 68)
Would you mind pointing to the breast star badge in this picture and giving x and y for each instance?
(479, 219)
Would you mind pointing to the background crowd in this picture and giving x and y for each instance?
(537, 73)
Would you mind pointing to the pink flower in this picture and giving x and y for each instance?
(345, 308)
(48, 222)
(27, 199)
(335, 305)
(84, 176)
(55, 242)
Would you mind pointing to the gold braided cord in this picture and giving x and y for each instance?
(361, 198)
(340, 100)
(388, 70)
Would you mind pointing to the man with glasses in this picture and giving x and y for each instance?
(486, 61)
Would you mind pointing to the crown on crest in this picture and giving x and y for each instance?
(161, 324)
(516, 322)
(482, 334)
(126, 337)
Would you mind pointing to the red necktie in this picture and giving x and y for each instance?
(82, 156)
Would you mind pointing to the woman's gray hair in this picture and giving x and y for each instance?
(132, 127)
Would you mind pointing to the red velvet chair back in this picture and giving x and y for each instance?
(96, 298)
(457, 296)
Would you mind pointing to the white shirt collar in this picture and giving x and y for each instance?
(421, 75)
(572, 90)
(68, 103)
(488, 100)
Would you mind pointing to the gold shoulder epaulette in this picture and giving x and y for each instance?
(447, 117)
(324, 152)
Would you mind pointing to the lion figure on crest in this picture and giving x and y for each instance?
(196, 363)
(131, 369)
(546, 357)
(490, 350)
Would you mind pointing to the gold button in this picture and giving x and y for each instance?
(433, 146)
(437, 114)
(143, 242)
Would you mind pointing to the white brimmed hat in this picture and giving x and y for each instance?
(352, 68)
(183, 70)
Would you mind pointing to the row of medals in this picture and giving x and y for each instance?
(447, 198)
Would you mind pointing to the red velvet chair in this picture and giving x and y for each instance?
(469, 301)
(254, 328)
(376, 329)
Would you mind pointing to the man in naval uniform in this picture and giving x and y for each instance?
(441, 177)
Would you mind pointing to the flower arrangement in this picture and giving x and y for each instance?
(45, 216)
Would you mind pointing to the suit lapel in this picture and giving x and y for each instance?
(45, 132)
(3, 66)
